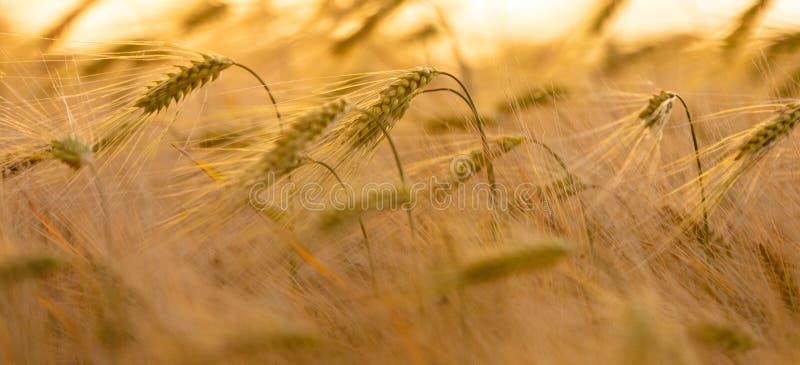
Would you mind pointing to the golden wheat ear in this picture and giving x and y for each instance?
(770, 133)
(181, 84)
(288, 150)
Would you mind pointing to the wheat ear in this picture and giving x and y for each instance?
(14, 270)
(766, 136)
(504, 264)
(746, 23)
(180, 84)
(286, 155)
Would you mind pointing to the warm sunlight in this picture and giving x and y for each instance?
(399, 182)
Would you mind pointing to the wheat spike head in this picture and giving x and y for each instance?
(288, 149)
(563, 188)
(388, 108)
(375, 200)
(497, 148)
(180, 84)
(71, 151)
(507, 263)
(658, 109)
(28, 267)
(770, 133)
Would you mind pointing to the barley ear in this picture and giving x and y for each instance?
(180, 84)
(72, 152)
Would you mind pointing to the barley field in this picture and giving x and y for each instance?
(384, 182)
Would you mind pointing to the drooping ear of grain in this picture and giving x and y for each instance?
(16, 163)
(367, 27)
(286, 154)
(767, 135)
(604, 15)
(463, 169)
(722, 336)
(781, 274)
(746, 23)
(71, 151)
(658, 109)
(539, 255)
(388, 108)
(14, 270)
(563, 188)
(206, 12)
(59, 28)
(539, 96)
(181, 84)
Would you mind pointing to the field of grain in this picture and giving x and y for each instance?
(362, 182)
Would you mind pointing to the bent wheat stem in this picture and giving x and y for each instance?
(370, 261)
(481, 129)
(699, 166)
(264, 85)
(397, 161)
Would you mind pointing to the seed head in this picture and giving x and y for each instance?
(391, 105)
(770, 133)
(658, 109)
(287, 151)
(181, 84)
(71, 151)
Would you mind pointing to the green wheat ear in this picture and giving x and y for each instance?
(182, 83)
(71, 151)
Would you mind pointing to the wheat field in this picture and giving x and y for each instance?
(349, 182)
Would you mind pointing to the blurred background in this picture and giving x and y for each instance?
(482, 25)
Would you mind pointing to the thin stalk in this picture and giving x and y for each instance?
(397, 162)
(360, 223)
(699, 165)
(264, 85)
(103, 202)
(482, 130)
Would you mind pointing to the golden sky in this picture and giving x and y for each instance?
(482, 21)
